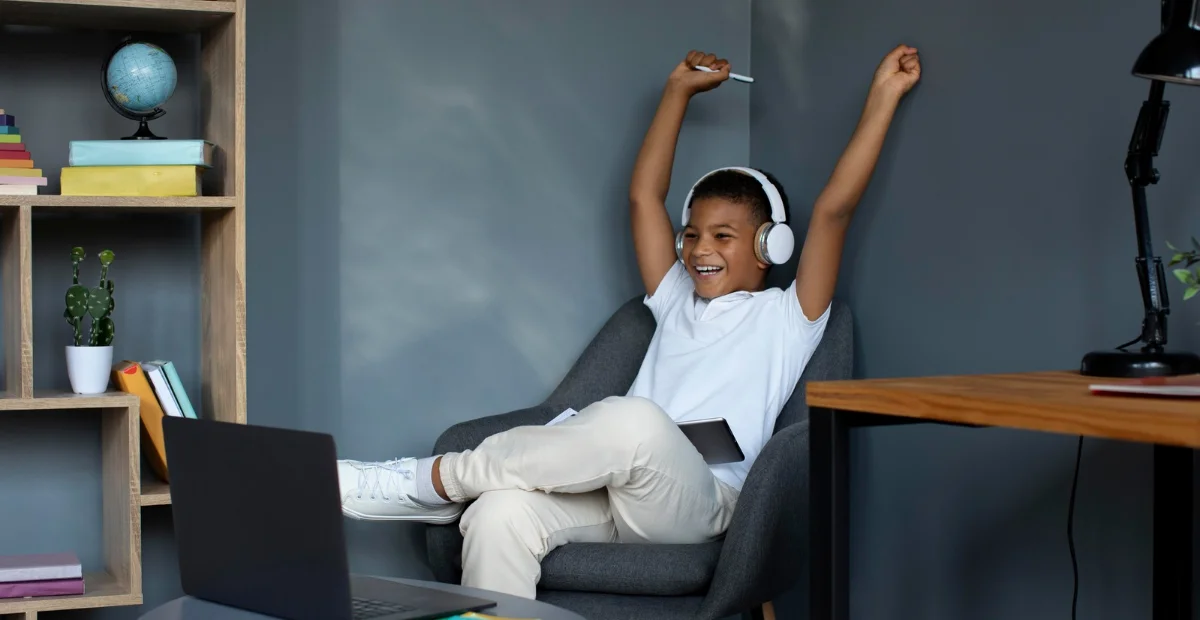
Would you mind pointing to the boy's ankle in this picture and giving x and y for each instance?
(437, 479)
(429, 481)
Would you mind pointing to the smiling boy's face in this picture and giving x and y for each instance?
(718, 248)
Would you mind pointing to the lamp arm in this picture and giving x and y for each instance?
(1140, 171)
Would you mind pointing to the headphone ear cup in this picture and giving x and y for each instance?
(778, 243)
(679, 245)
(761, 251)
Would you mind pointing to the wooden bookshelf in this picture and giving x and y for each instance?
(221, 25)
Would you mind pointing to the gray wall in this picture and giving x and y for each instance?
(997, 236)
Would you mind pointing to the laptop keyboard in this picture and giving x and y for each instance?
(369, 608)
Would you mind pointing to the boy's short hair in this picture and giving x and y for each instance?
(743, 189)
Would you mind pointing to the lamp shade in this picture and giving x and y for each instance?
(1174, 55)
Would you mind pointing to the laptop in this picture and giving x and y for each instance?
(258, 524)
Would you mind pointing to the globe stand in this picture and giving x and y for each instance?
(143, 132)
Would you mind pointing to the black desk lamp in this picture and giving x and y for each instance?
(1173, 56)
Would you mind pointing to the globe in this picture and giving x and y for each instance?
(138, 78)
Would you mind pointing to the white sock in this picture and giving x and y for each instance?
(426, 493)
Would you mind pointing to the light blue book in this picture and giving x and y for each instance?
(177, 387)
(140, 153)
(9, 129)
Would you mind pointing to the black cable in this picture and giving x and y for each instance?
(1071, 529)
(1131, 342)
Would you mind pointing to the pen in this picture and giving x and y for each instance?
(734, 76)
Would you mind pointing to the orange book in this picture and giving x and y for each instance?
(131, 379)
(17, 163)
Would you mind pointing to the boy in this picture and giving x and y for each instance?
(621, 470)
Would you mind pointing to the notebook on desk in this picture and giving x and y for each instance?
(1187, 386)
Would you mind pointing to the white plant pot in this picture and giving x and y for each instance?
(89, 368)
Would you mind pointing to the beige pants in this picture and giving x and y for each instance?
(619, 471)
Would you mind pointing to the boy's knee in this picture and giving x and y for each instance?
(635, 417)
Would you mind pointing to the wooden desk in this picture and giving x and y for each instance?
(1053, 401)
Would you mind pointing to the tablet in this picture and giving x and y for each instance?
(714, 439)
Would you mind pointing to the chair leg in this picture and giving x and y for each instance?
(766, 612)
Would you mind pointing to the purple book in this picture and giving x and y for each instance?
(8, 119)
(48, 587)
(39, 566)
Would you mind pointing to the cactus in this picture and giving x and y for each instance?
(97, 302)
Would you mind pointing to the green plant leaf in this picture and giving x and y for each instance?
(77, 300)
(1196, 244)
(1177, 258)
(99, 301)
(1191, 292)
(1183, 275)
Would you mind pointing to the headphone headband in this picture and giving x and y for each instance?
(773, 197)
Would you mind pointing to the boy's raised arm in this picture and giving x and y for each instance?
(653, 234)
(817, 273)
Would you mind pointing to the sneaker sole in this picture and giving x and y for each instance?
(423, 519)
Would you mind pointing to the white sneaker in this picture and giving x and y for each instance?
(387, 491)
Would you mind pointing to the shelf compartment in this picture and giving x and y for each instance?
(145, 15)
(123, 203)
(120, 582)
(103, 590)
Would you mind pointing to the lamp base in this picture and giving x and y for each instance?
(1134, 364)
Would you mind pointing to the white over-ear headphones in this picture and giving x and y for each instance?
(773, 242)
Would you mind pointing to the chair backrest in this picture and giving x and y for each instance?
(610, 362)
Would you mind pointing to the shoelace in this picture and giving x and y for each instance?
(382, 477)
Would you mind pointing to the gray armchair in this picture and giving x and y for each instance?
(765, 550)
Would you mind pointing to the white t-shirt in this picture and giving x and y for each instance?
(736, 357)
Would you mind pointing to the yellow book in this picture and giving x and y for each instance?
(11, 138)
(130, 379)
(131, 180)
(20, 172)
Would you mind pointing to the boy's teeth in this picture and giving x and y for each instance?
(706, 269)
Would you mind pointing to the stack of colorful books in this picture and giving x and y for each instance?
(136, 167)
(40, 574)
(17, 174)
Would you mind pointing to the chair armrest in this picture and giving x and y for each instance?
(470, 433)
(766, 547)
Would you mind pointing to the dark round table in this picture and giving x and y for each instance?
(189, 608)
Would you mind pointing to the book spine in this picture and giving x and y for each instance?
(177, 388)
(7, 119)
(15, 155)
(139, 153)
(11, 138)
(22, 180)
(4, 146)
(6, 129)
(39, 573)
(131, 181)
(47, 587)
